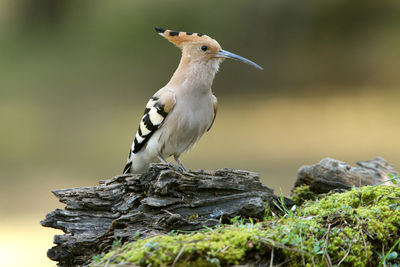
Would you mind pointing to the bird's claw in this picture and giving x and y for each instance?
(176, 168)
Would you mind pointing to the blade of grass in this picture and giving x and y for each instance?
(383, 261)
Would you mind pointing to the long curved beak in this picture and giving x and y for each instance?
(227, 54)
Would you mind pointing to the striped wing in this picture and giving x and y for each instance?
(156, 111)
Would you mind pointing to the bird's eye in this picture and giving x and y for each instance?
(204, 48)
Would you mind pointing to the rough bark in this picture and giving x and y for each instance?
(129, 207)
(330, 174)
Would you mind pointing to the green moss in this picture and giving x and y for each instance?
(301, 194)
(193, 217)
(351, 228)
(226, 245)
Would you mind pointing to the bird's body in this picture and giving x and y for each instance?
(181, 112)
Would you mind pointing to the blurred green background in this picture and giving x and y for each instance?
(75, 76)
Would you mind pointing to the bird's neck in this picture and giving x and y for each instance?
(194, 75)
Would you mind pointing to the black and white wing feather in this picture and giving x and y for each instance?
(156, 111)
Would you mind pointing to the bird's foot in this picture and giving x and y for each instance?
(180, 163)
(176, 168)
(179, 168)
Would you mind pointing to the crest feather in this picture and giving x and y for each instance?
(178, 37)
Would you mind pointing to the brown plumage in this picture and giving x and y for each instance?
(181, 112)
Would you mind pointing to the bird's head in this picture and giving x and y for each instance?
(200, 47)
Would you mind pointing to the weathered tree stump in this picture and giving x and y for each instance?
(330, 174)
(129, 207)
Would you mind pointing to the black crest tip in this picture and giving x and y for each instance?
(159, 30)
(173, 33)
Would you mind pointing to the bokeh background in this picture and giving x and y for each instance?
(75, 76)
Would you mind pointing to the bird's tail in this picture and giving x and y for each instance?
(137, 163)
(128, 165)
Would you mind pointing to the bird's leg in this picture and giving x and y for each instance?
(170, 165)
(180, 163)
(162, 159)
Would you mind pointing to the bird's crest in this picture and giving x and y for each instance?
(178, 37)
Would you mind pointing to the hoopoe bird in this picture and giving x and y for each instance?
(178, 114)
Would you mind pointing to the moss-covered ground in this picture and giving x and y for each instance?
(360, 227)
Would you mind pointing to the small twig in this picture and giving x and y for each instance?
(345, 256)
(283, 263)
(282, 246)
(271, 263)
(396, 198)
(195, 241)
(327, 233)
(178, 256)
(327, 260)
(365, 243)
(115, 255)
(124, 264)
(166, 211)
(326, 255)
(301, 247)
(108, 262)
(224, 249)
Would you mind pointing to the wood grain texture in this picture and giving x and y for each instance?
(129, 207)
(132, 206)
